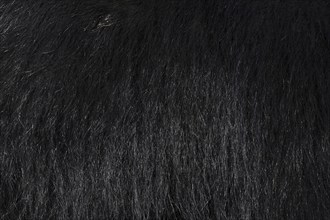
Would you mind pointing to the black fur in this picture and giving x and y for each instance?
(164, 109)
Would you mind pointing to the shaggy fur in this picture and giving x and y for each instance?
(165, 109)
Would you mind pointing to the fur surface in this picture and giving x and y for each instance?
(156, 109)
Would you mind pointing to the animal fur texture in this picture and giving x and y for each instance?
(165, 109)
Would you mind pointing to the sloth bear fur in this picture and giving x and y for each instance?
(165, 109)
